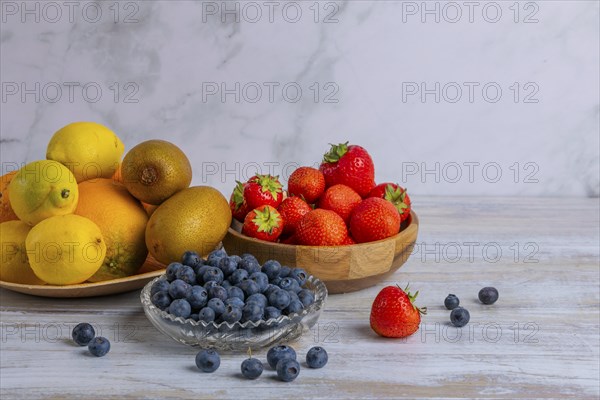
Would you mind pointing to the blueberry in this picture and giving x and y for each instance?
(294, 307)
(99, 346)
(186, 274)
(316, 357)
(287, 370)
(217, 305)
(161, 300)
(179, 289)
(270, 289)
(198, 297)
(278, 353)
(249, 257)
(200, 270)
(249, 287)
(238, 276)
(161, 285)
(235, 291)
(300, 275)
(194, 316)
(236, 258)
(250, 266)
(276, 281)
(252, 368)
(290, 284)
(208, 360)
(172, 271)
(451, 302)
(261, 279)
(209, 285)
(180, 308)
(271, 312)
(459, 317)
(306, 297)
(213, 274)
(227, 265)
(216, 256)
(192, 259)
(226, 284)
(252, 312)
(271, 268)
(234, 301)
(279, 299)
(83, 333)
(293, 296)
(488, 295)
(207, 314)
(218, 292)
(284, 272)
(257, 298)
(232, 314)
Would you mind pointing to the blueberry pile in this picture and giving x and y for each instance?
(84, 335)
(223, 288)
(460, 316)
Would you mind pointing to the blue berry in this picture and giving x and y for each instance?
(306, 297)
(208, 360)
(180, 308)
(290, 284)
(194, 316)
(293, 296)
(270, 289)
(161, 285)
(200, 270)
(99, 346)
(451, 302)
(179, 289)
(210, 284)
(226, 284)
(207, 314)
(213, 274)
(217, 305)
(294, 307)
(276, 281)
(271, 313)
(216, 256)
(316, 357)
(278, 353)
(234, 301)
(250, 257)
(236, 258)
(83, 333)
(249, 287)
(232, 314)
(250, 266)
(252, 368)
(218, 292)
(287, 370)
(279, 299)
(198, 297)
(300, 275)
(186, 274)
(261, 279)
(161, 300)
(284, 272)
(257, 298)
(252, 312)
(172, 271)
(488, 295)
(459, 317)
(271, 268)
(227, 265)
(235, 291)
(192, 259)
(238, 276)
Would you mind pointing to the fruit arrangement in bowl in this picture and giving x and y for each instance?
(334, 221)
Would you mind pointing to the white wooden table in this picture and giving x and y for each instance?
(540, 340)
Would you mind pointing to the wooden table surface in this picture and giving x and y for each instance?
(540, 340)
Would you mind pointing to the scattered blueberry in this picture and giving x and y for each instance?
(172, 271)
(217, 305)
(299, 275)
(180, 308)
(271, 268)
(161, 300)
(306, 297)
(207, 314)
(99, 346)
(198, 297)
(278, 353)
(232, 314)
(186, 274)
(294, 307)
(83, 333)
(257, 298)
(252, 368)
(271, 312)
(287, 370)
(316, 357)
(192, 259)
(252, 312)
(249, 287)
(488, 295)
(261, 279)
(179, 289)
(459, 317)
(208, 360)
(451, 302)
(279, 299)
(235, 291)
(161, 285)
(238, 276)
(213, 274)
(218, 292)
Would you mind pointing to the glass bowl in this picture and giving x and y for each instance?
(236, 337)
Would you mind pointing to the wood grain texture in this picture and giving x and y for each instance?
(540, 340)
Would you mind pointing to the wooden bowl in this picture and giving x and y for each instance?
(342, 268)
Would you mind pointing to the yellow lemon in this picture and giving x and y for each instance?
(43, 189)
(14, 266)
(89, 149)
(65, 249)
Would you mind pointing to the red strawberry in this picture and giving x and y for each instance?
(348, 241)
(321, 228)
(396, 195)
(374, 219)
(263, 223)
(289, 240)
(292, 209)
(351, 166)
(340, 198)
(308, 183)
(263, 190)
(393, 313)
(237, 203)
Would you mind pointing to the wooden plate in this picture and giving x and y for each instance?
(149, 271)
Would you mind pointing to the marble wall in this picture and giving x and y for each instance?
(450, 98)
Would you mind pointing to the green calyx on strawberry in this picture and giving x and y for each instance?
(263, 190)
(396, 195)
(266, 220)
(336, 152)
(412, 298)
(237, 203)
(263, 223)
(349, 165)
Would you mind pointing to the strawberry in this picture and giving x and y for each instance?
(340, 198)
(237, 203)
(263, 190)
(396, 195)
(351, 166)
(321, 228)
(394, 314)
(348, 241)
(263, 223)
(292, 209)
(289, 240)
(374, 219)
(308, 183)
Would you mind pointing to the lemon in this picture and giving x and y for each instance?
(65, 249)
(14, 266)
(42, 189)
(90, 150)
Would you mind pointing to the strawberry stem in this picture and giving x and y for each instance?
(412, 298)
(336, 152)
(266, 220)
(238, 195)
(269, 184)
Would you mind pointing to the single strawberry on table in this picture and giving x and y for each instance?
(264, 223)
(308, 183)
(321, 228)
(340, 198)
(394, 313)
(237, 203)
(263, 190)
(374, 219)
(292, 209)
(396, 195)
(349, 165)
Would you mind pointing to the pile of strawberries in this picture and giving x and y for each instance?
(337, 204)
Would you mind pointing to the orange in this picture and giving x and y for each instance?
(122, 221)
(6, 211)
